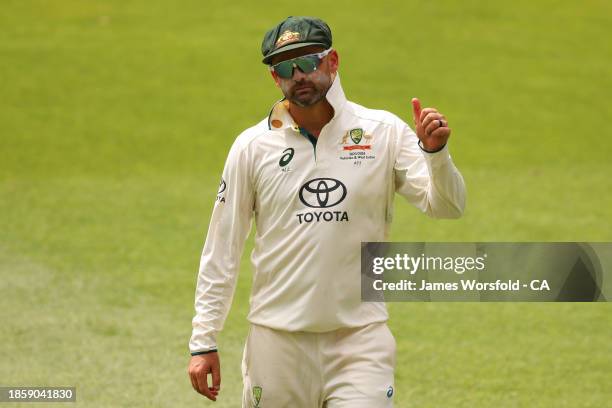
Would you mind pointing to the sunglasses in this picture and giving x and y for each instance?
(306, 63)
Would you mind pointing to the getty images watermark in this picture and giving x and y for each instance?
(537, 271)
(37, 394)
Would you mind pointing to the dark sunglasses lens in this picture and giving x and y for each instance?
(284, 69)
(307, 64)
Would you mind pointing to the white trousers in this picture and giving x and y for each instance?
(349, 367)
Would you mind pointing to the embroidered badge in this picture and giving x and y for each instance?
(356, 135)
(287, 37)
(356, 142)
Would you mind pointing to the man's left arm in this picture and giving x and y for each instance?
(424, 171)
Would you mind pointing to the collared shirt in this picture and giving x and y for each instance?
(313, 205)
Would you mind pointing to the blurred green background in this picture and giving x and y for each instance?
(115, 120)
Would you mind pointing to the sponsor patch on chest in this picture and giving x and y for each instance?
(320, 194)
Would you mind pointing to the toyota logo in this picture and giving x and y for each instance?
(322, 192)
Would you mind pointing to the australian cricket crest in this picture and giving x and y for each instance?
(257, 390)
(356, 135)
(356, 145)
(287, 37)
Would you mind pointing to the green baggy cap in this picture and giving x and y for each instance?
(295, 32)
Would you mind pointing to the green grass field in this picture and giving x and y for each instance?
(115, 120)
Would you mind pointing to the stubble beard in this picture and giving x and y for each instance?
(320, 82)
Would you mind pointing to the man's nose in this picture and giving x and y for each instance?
(298, 74)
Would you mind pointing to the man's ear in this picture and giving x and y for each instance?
(276, 79)
(334, 61)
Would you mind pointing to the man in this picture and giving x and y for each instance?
(319, 176)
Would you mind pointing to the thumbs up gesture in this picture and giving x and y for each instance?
(431, 126)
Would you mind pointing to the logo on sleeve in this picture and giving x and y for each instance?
(320, 193)
(221, 192)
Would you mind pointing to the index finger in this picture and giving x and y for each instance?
(416, 110)
(216, 375)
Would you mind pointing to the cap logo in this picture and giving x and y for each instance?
(287, 37)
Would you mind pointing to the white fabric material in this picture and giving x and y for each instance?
(307, 250)
(344, 368)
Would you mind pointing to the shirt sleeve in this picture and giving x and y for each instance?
(429, 181)
(228, 229)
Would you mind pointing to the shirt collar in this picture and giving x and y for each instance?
(279, 117)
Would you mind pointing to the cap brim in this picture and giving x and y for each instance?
(289, 47)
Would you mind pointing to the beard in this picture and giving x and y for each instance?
(309, 90)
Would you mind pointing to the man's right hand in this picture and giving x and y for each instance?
(199, 368)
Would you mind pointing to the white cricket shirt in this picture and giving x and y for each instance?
(313, 206)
